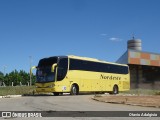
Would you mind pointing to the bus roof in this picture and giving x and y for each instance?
(85, 58)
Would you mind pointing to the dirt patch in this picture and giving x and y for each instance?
(148, 101)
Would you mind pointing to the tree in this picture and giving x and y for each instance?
(24, 77)
(17, 77)
(1, 78)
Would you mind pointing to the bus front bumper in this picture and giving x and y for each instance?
(45, 90)
(51, 90)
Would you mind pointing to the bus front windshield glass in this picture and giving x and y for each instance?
(44, 73)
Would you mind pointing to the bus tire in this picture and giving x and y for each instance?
(115, 90)
(74, 89)
(56, 93)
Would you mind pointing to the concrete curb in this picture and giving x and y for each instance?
(10, 96)
(125, 103)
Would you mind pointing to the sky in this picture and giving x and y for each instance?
(34, 29)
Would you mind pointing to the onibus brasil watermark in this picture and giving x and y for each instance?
(25, 114)
(20, 114)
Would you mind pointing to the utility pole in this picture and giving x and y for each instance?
(4, 73)
(30, 61)
(4, 69)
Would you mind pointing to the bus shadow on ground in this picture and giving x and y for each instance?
(64, 94)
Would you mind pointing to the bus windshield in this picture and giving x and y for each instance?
(44, 73)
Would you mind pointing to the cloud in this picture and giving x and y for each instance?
(103, 34)
(115, 39)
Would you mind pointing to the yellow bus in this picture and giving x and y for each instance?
(74, 75)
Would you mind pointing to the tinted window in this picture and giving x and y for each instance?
(44, 73)
(97, 67)
(47, 61)
(62, 68)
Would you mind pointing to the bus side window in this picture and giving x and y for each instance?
(62, 69)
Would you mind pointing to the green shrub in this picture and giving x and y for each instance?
(157, 93)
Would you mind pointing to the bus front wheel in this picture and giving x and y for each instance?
(56, 93)
(74, 90)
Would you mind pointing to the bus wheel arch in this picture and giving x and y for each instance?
(115, 89)
(74, 89)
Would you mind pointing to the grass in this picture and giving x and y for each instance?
(143, 92)
(16, 90)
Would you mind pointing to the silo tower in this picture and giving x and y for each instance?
(134, 44)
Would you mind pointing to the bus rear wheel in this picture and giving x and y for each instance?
(115, 89)
(74, 90)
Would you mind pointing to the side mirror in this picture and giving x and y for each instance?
(53, 67)
(34, 67)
